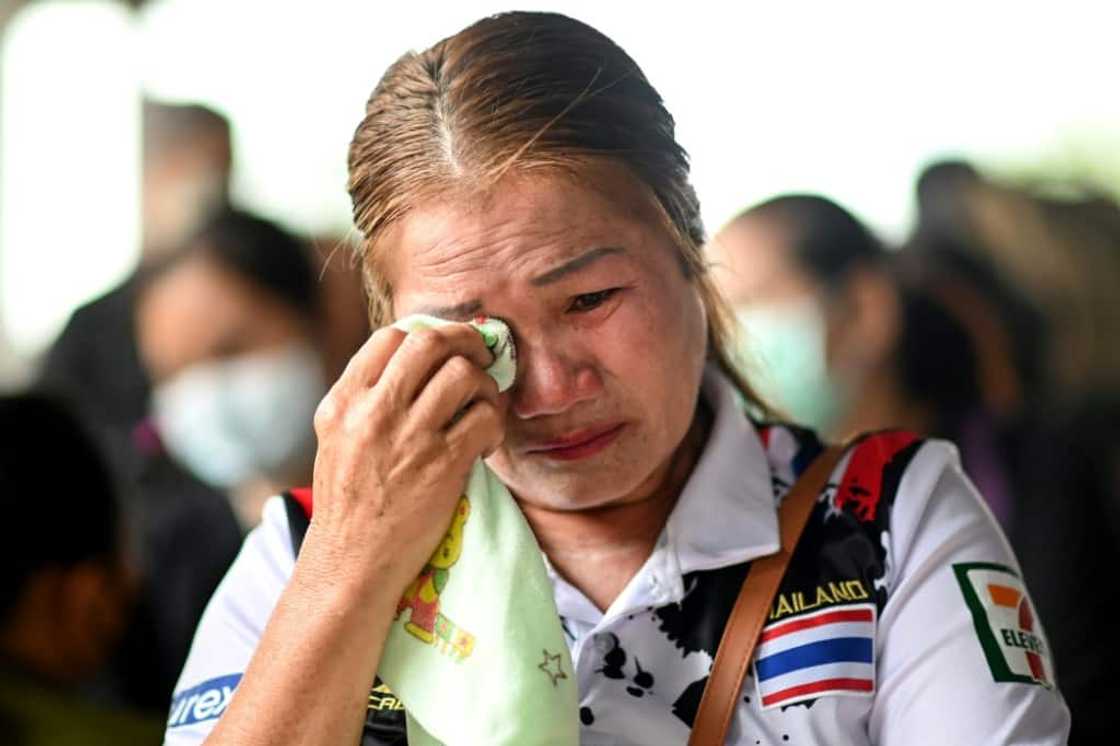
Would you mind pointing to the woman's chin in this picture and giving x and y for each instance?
(570, 495)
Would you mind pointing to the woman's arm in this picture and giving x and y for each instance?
(961, 656)
(310, 676)
(398, 434)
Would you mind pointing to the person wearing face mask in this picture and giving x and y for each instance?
(229, 330)
(846, 338)
(231, 334)
(819, 313)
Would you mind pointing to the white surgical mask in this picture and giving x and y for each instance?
(783, 355)
(231, 420)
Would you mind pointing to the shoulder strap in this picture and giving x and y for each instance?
(736, 647)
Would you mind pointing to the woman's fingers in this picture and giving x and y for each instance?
(423, 353)
(457, 384)
(368, 363)
(477, 433)
(398, 434)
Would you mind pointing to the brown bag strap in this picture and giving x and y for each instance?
(736, 647)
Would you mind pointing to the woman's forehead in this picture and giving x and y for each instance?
(526, 225)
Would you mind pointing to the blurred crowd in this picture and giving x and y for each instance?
(162, 417)
(993, 325)
(171, 407)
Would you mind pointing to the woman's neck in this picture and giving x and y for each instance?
(600, 549)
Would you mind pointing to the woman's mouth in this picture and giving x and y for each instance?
(578, 445)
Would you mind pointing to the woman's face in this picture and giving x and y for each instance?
(200, 312)
(611, 336)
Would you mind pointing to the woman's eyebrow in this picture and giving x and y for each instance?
(576, 264)
(469, 309)
(459, 312)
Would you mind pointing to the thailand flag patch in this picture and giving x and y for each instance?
(824, 653)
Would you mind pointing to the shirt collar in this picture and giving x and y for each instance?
(726, 514)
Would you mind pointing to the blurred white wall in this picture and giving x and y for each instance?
(846, 99)
(69, 164)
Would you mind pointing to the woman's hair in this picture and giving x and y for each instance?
(260, 252)
(521, 92)
(825, 240)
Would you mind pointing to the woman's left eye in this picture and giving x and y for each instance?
(590, 301)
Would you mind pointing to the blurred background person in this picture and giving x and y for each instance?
(187, 158)
(232, 332)
(1058, 246)
(934, 338)
(66, 584)
(94, 365)
(1034, 278)
(819, 314)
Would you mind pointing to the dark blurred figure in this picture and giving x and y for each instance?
(94, 363)
(1062, 468)
(65, 584)
(1034, 278)
(944, 191)
(1063, 254)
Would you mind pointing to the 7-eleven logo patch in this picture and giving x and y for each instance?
(1009, 632)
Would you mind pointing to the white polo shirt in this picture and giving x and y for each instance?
(902, 619)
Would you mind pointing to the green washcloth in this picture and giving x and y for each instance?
(476, 653)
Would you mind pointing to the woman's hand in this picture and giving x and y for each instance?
(398, 434)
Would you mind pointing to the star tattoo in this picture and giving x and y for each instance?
(551, 665)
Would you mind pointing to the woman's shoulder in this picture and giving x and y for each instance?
(874, 469)
(889, 488)
(232, 624)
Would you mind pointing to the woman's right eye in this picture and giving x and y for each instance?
(590, 301)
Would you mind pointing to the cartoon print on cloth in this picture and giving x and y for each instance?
(462, 666)
(425, 622)
(465, 657)
(553, 666)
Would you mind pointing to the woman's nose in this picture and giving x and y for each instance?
(551, 381)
